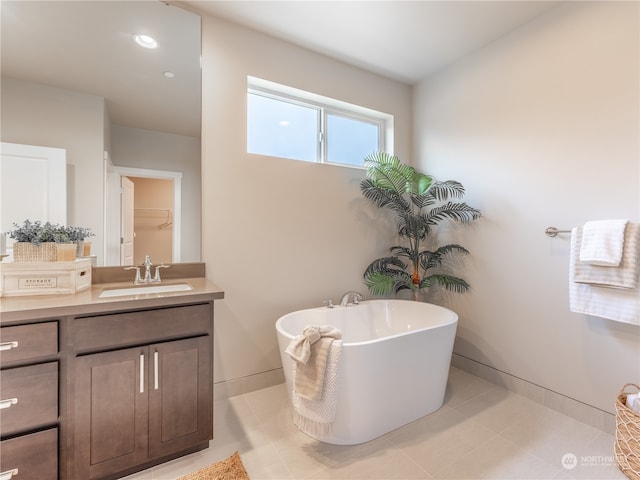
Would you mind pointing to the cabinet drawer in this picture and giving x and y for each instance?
(139, 327)
(34, 456)
(29, 397)
(24, 342)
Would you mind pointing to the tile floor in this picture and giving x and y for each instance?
(482, 431)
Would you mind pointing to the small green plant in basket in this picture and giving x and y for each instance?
(37, 232)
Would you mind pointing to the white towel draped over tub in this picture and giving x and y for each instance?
(316, 354)
(606, 291)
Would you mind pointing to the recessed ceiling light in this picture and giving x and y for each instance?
(145, 41)
(168, 74)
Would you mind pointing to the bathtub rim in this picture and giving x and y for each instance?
(453, 319)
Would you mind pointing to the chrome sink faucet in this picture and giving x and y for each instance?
(147, 272)
(138, 279)
(156, 277)
(147, 269)
(357, 297)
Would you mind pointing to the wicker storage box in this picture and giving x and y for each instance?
(28, 252)
(627, 444)
(44, 278)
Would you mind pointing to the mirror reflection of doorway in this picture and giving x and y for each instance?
(152, 219)
(154, 213)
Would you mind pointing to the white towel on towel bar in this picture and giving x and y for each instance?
(602, 242)
(620, 304)
(623, 276)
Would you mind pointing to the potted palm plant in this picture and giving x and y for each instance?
(419, 203)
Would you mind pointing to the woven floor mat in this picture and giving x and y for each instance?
(228, 469)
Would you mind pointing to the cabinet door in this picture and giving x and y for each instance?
(111, 407)
(180, 395)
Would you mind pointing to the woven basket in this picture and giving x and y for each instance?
(28, 252)
(627, 444)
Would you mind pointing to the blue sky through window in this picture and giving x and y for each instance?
(289, 123)
(282, 129)
(350, 140)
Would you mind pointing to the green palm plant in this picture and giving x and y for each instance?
(419, 203)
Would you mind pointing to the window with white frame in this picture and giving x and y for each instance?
(290, 123)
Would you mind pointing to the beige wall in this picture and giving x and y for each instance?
(279, 235)
(139, 148)
(34, 114)
(542, 127)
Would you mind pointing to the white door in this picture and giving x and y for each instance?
(33, 185)
(126, 228)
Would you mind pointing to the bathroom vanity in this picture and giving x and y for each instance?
(98, 387)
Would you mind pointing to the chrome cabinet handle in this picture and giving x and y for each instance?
(8, 475)
(7, 346)
(6, 403)
(142, 373)
(155, 370)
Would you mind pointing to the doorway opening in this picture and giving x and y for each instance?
(144, 208)
(152, 219)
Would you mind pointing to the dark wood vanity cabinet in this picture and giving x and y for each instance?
(97, 389)
(29, 408)
(143, 388)
(137, 404)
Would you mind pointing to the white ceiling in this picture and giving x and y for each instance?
(86, 45)
(404, 40)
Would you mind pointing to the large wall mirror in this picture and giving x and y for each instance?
(79, 56)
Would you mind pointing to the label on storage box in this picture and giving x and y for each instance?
(37, 282)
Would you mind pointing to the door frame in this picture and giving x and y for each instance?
(176, 177)
(127, 222)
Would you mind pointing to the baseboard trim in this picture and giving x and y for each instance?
(571, 407)
(250, 383)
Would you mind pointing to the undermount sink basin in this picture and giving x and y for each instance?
(145, 289)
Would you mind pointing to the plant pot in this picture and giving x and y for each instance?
(28, 252)
(66, 252)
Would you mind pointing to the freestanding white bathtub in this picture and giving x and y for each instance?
(394, 364)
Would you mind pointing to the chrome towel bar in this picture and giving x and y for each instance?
(553, 231)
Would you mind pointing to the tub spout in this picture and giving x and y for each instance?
(357, 296)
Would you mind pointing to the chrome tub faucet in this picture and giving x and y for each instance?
(357, 297)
